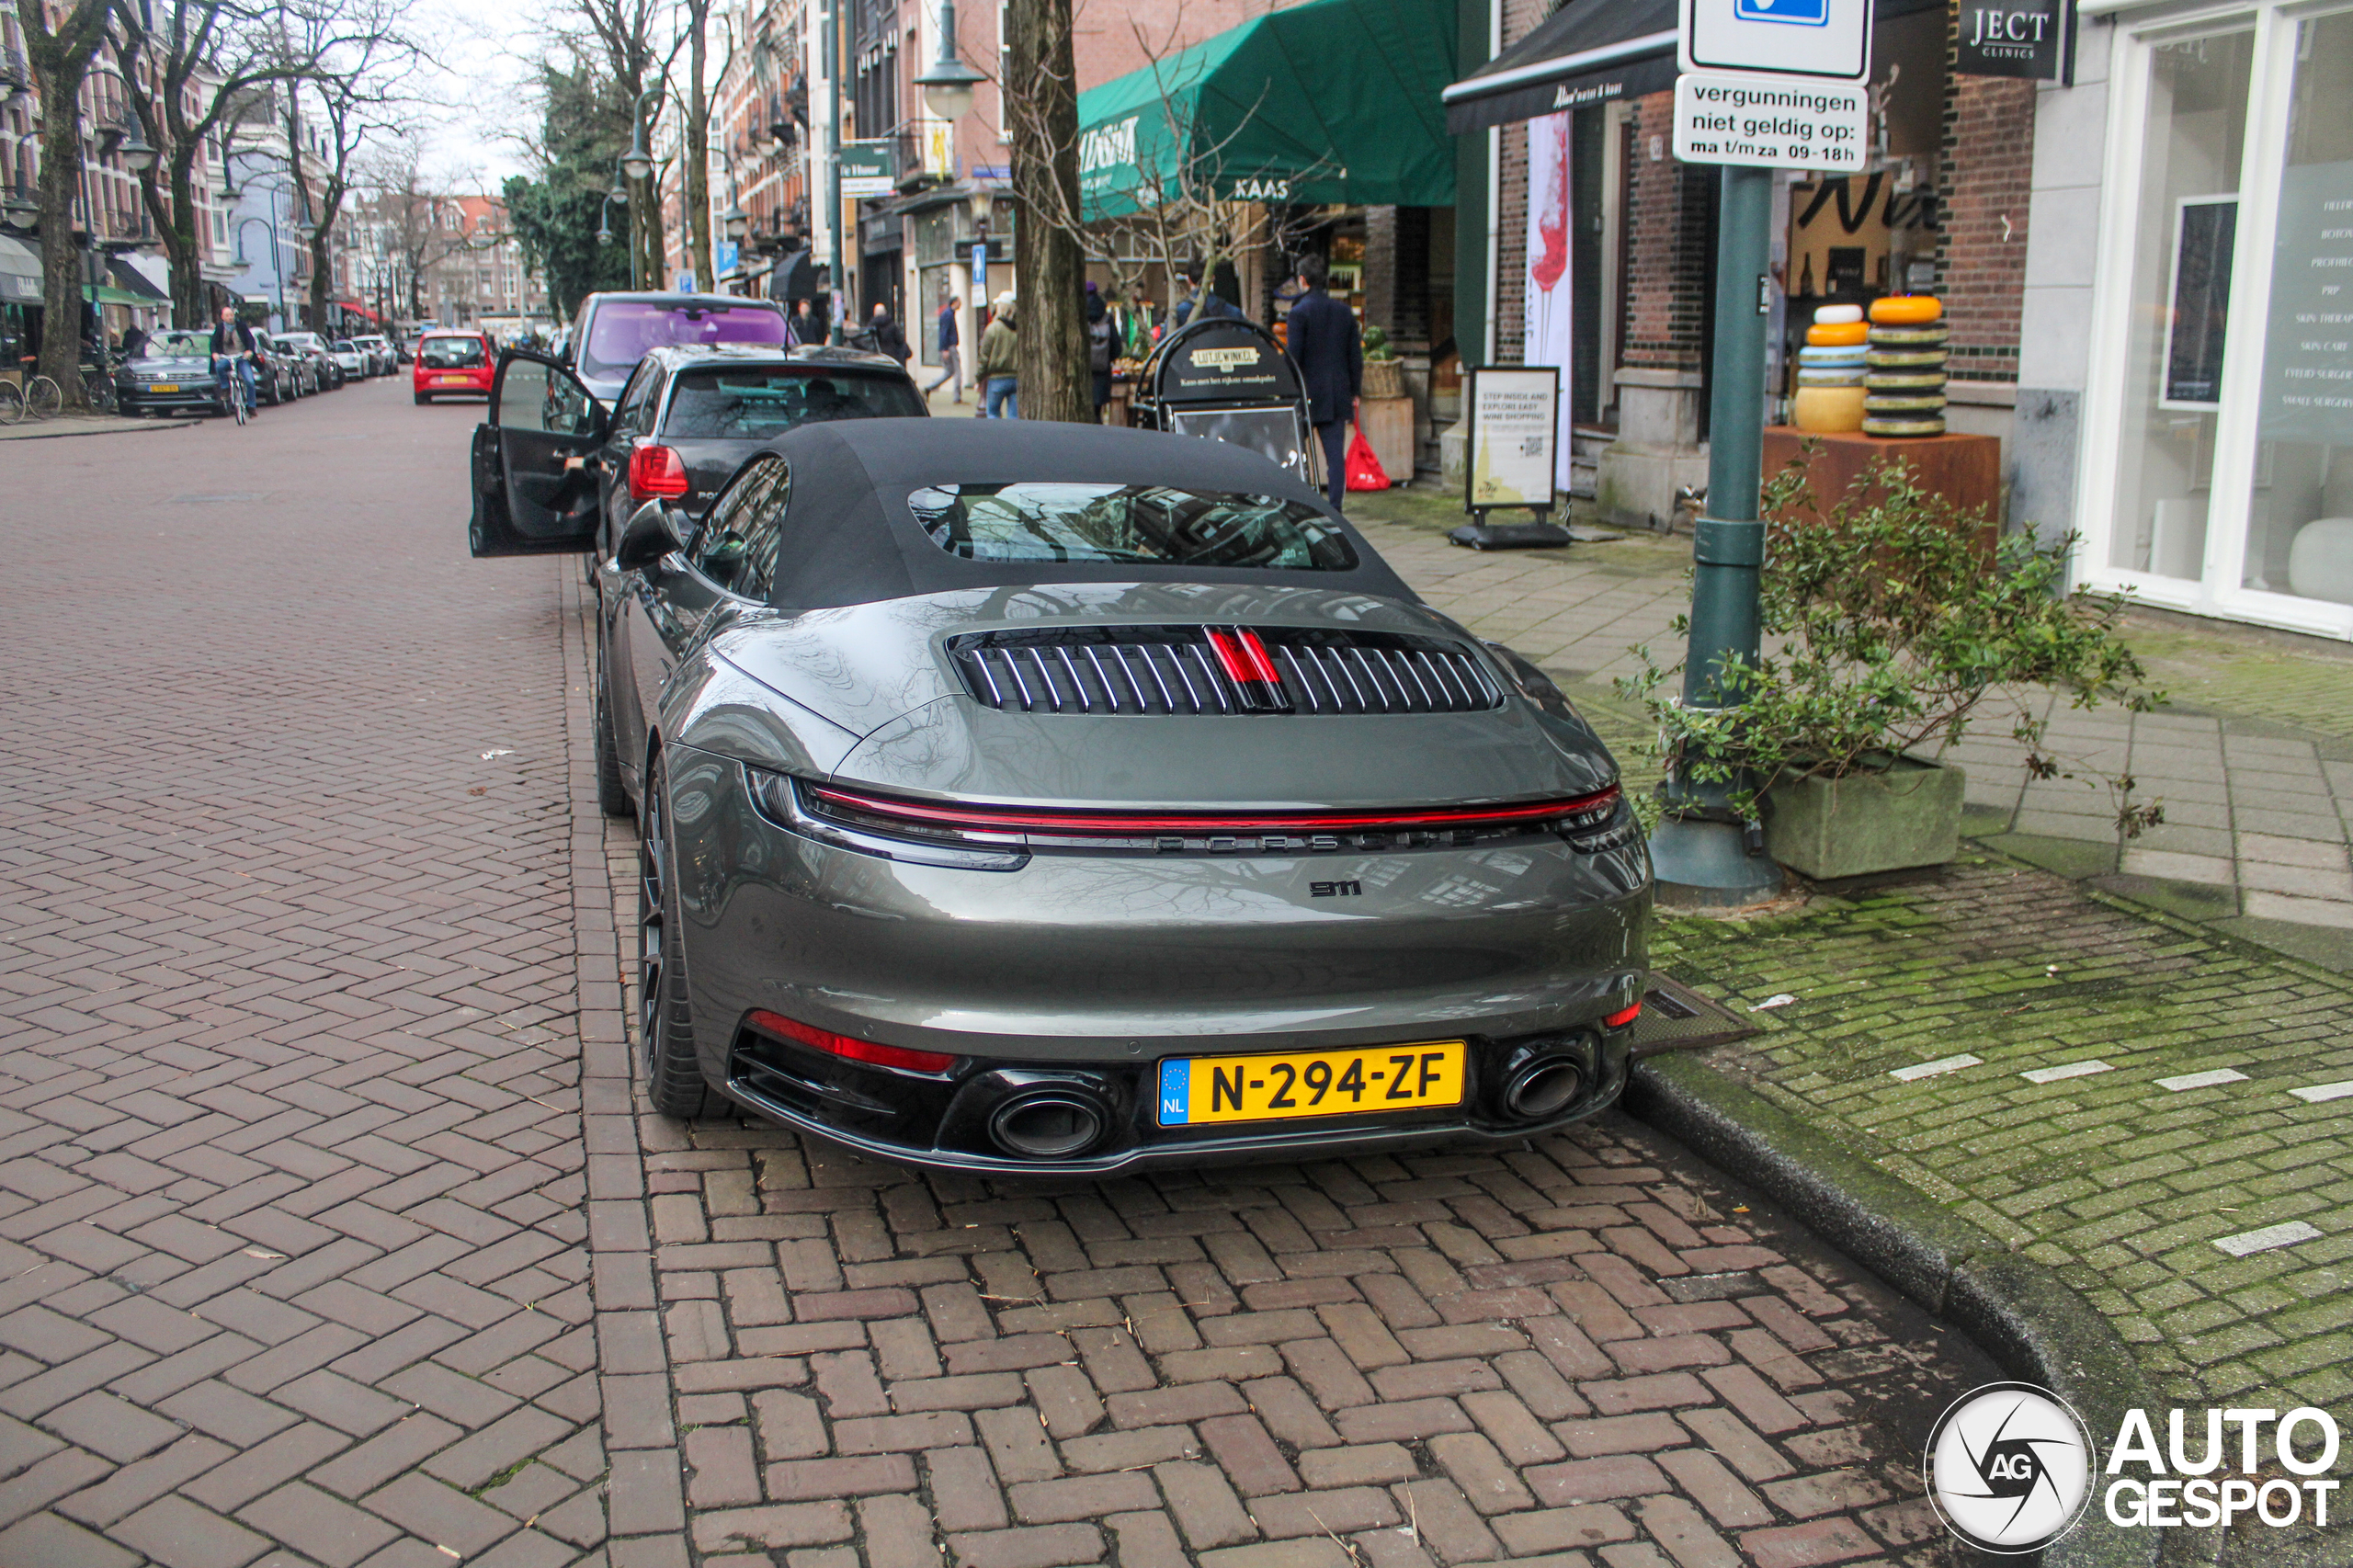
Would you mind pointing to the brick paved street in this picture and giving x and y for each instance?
(292, 1241)
(311, 1255)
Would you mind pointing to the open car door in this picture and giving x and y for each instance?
(535, 492)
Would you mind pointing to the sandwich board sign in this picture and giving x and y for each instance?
(1774, 83)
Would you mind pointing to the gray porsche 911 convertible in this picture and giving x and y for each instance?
(1026, 798)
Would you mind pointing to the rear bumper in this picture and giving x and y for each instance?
(1089, 971)
(956, 1137)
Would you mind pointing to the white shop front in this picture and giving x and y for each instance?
(2214, 470)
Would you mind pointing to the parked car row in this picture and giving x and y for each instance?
(174, 374)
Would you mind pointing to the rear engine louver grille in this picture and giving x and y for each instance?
(1221, 670)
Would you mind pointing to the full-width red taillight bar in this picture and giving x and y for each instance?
(842, 1045)
(996, 818)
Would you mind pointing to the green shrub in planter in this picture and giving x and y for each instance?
(1891, 628)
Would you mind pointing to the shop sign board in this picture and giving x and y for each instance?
(1770, 123)
(2030, 39)
(869, 168)
(1515, 423)
(1824, 39)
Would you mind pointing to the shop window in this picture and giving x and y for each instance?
(2182, 258)
(2300, 512)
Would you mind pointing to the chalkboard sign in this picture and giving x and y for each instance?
(2204, 228)
(2308, 357)
(1228, 360)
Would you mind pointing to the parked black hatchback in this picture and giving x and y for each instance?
(562, 474)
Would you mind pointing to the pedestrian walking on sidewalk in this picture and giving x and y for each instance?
(888, 336)
(950, 369)
(994, 369)
(1098, 346)
(803, 330)
(1330, 351)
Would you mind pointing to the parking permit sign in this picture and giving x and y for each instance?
(1823, 39)
(1773, 122)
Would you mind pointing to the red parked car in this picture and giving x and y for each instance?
(453, 362)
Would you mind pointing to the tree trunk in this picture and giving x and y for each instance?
(60, 87)
(1048, 267)
(696, 184)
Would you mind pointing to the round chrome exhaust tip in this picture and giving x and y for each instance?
(1050, 1124)
(1543, 1088)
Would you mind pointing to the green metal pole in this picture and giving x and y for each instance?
(1728, 544)
(1701, 855)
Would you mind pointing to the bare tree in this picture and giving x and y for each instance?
(59, 48)
(695, 191)
(411, 206)
(356, 84)
(1042, 118)
(208, 63)
(1176, 219)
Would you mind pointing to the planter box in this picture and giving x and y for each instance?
(1388, 425)
(1382, 378)
(1826, 828)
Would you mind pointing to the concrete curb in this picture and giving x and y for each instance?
(2020, 1312)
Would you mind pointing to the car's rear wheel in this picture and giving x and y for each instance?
(673, 1081)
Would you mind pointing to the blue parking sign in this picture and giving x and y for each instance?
(1825, 40)
(1795, 12)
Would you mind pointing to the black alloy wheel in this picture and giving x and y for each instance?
(666, 1030)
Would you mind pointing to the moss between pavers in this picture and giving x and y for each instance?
(2120, 1187)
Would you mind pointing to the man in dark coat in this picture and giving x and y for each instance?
(1323, 340)
(888, 338)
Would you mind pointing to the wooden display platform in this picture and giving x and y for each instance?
(1965, 470)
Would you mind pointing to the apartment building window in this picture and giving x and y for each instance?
(875, 94)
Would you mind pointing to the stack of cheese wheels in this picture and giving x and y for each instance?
(1831, 368)
(1906, 382)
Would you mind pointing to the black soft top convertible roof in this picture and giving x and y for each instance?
(853, 540)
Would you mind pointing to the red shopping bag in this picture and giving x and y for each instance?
(1364, 471)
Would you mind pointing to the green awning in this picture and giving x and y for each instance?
(1332, 101)
(107, 294)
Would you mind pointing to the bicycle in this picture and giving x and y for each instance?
(232, 391)
(12, 403)
(98, 385)
(42, 398)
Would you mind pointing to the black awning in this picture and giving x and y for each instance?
(1588, 51)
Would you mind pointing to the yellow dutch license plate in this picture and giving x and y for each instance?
(443, 381)
(164, 386)
(1290, 1086)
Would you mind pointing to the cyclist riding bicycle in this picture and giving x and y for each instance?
(234, 347)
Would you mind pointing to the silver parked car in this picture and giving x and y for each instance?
(1028, 797)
